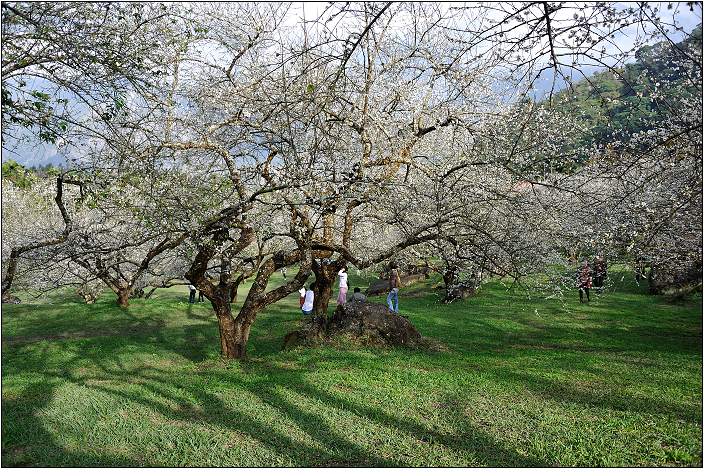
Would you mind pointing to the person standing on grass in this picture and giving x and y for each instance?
(192, 295)
(394, 285)
(283, 272)
(584, 280)
(356, 296)
(342, 296)
(200, 297)
(307, 306)
(599, 272)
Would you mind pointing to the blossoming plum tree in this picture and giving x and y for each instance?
(372, 129)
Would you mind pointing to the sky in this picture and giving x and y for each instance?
(687, 19)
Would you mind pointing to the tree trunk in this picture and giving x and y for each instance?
(257, 300)
(121, 290)
(123, 295)
(449, 276)
(235, 287)
(234, 332)
(229, 348)
(241, 327)
(323, 293)
(254, 303)
(325, 276)
(457, 289)
(146, 297)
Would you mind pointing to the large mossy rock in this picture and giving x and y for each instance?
(379, 288)
(361, 319)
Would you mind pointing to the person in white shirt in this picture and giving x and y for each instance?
(342, 296)
(307, 307)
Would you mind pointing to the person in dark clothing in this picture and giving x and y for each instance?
(356, 296)
(192, 296)
(394, 284)
(599, 273)
(584, 280)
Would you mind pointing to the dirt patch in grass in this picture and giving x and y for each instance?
(134, 330)
(538, 347)
(413, 294)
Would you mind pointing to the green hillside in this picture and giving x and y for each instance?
(622, 101)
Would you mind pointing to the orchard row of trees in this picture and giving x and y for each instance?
(215, 142)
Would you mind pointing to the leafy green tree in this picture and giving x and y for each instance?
(16, 173)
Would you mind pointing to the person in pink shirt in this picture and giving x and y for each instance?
(342, 296)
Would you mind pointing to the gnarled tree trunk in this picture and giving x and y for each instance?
(229, 348)
(258, 300)
(325, 276)
(235, 286)
(123, 295)
(234, 332)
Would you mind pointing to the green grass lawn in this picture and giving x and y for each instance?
(523, 382)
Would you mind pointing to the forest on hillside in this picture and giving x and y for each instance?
(618, 102)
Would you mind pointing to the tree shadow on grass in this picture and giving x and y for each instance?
(26, 441)
(132, 330)
(198, 340)
(189, 397)
(633, 344)
(465, 438)
(602, 395)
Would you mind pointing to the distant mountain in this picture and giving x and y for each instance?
(41, 155)
(620, 102)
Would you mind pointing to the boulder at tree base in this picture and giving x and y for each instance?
(360, 318)
(363, 317)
